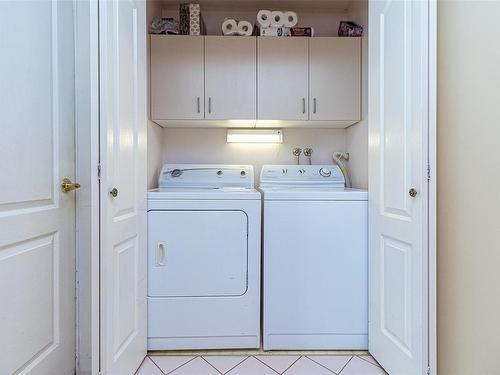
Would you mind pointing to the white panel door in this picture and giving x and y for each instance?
(37, 220)
(177, 75)
(282, 78)
(230, 78)
(398, 126)
(122, 33)
(335, 78)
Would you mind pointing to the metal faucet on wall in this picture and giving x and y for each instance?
(296, 152)
(308, 153)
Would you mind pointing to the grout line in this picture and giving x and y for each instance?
(178, 367)
(154, 363)
(349, 361)
(239, 363)
(215, 368)
(321, 365)
(294, 362)
(144, 359)
(371, 363)
(265, 364)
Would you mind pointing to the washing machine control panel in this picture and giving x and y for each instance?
(302, 175)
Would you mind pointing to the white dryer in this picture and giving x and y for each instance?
(315, 259)
(204, 258)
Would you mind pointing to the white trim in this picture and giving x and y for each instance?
(432, 195)
(87, 157)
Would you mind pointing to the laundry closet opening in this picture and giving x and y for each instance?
(288, 201)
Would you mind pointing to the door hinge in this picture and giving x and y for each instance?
(99, 171)
(429, 370)
(428, 172)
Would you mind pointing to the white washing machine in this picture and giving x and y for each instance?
(204, 258)
(315, 259)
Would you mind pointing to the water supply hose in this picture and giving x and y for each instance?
(339, 158)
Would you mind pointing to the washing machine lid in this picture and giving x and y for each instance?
(306, 182)
(313, 194)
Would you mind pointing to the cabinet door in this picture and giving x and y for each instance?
(283, 65)
(230, 78)
(177, 77)
(335, 78)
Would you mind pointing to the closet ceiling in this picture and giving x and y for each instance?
(339, 5)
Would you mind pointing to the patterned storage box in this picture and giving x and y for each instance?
(190, 19)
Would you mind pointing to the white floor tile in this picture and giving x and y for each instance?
(197, 366)
(148, 368)
(333, 362)
(304, 366)
(358, 366)
(251, 366)
(224, 363)
(370, 359)
(170, 363)
(278, 362)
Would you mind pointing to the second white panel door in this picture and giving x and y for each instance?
(335, 78)
(230, 78)
(283, 66)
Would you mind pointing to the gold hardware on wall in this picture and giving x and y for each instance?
(67, 185)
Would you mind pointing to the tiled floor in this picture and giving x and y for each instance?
(260, 365)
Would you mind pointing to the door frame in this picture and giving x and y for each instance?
(87, 201)
(87, 163)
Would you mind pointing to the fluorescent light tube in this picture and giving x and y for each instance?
(254, 136)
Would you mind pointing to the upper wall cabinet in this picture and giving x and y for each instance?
(282, 83)
(335, 79)
(177, 73)
(230, 78)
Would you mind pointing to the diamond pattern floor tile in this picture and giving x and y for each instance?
(251, 366)
(278, 363)
(224, 363)
(370, 359)
(148, 368)
(333, 362)
(170, 363)
(197, 366)
(305, 366)
(358, 366)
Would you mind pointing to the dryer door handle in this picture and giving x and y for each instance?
(161, 253)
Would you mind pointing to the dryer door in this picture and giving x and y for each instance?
(197, 253)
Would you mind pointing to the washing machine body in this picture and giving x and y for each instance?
(315, 260)
(204, 259)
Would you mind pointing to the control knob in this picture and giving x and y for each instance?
(325, 172)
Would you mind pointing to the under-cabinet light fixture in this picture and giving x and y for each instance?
(254, 136)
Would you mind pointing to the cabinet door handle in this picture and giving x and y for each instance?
(314, 105)
(161, 253)
(209, 104)
(198, 104)
(303, 105)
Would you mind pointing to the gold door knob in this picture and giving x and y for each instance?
(67, 185)
(413, 193)
(114, 192)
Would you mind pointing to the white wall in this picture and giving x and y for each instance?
(468, 183)
(209, 146)
(357, 134)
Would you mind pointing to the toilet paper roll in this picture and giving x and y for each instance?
(229, 27)
(291, 19)
(277, 18)
(264, 18)
(245, 28)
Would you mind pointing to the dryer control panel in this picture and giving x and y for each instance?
(206, 176)
(302, 176)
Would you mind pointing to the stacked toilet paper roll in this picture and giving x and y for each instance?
(232, 27)
(267, 18)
